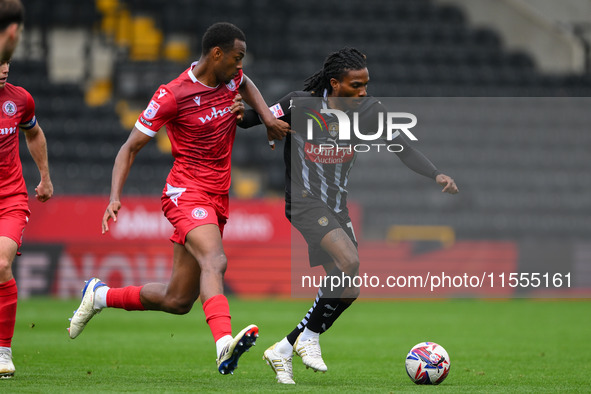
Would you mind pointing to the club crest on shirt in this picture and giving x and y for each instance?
(333, 129)
(152, 109)
(323, 221)
(199, 213)
(9, 108)
(231, 85)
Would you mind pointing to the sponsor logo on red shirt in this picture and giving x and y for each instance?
(214, 114)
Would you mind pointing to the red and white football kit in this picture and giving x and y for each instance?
(18, 111)
(201, 130)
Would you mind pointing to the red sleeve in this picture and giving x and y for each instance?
(28, 120)
(160, 110)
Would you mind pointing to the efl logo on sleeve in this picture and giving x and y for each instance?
(277, 110)
(152, 109)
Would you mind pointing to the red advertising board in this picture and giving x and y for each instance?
(76, 219)
(63, 246)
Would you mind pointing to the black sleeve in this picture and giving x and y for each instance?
(411, 157)
(415, 160)
(281, 109)
(250, 119)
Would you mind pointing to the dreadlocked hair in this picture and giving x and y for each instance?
(336, 65)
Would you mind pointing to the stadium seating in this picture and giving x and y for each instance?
(415, 49)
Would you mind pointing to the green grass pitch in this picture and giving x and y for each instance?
(494, 346)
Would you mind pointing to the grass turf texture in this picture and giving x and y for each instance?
(494, 346)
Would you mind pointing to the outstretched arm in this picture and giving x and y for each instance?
(129, 150)
(415, 159)
(419, 163)
(449, 185)
(37, 145)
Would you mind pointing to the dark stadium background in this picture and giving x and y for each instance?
(525, 184)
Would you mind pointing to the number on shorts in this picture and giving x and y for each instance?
(350, 225)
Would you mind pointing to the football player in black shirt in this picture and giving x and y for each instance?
(317, 171)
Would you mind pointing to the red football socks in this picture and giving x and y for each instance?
(217, 315)
(8, 297)
(127, 298)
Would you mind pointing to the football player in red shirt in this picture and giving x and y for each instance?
(200, 112)
(18, 113)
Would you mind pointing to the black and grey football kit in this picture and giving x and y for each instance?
(316, 175)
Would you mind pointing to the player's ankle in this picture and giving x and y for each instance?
(221, 343)
(100, 297)
(284, 348)
(308, 334)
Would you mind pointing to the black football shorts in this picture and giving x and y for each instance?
(314, 219)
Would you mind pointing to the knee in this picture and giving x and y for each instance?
(350, 265)
(179, 306)
(5, 269)
(5, 265)
(215, 264)
(350, 294)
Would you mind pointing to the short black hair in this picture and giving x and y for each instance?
(221, 34)
(11, 11)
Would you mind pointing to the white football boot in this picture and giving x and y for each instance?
(86, 310)
(6, 364)
(281, 366)
(310, 353)
(228, 358)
